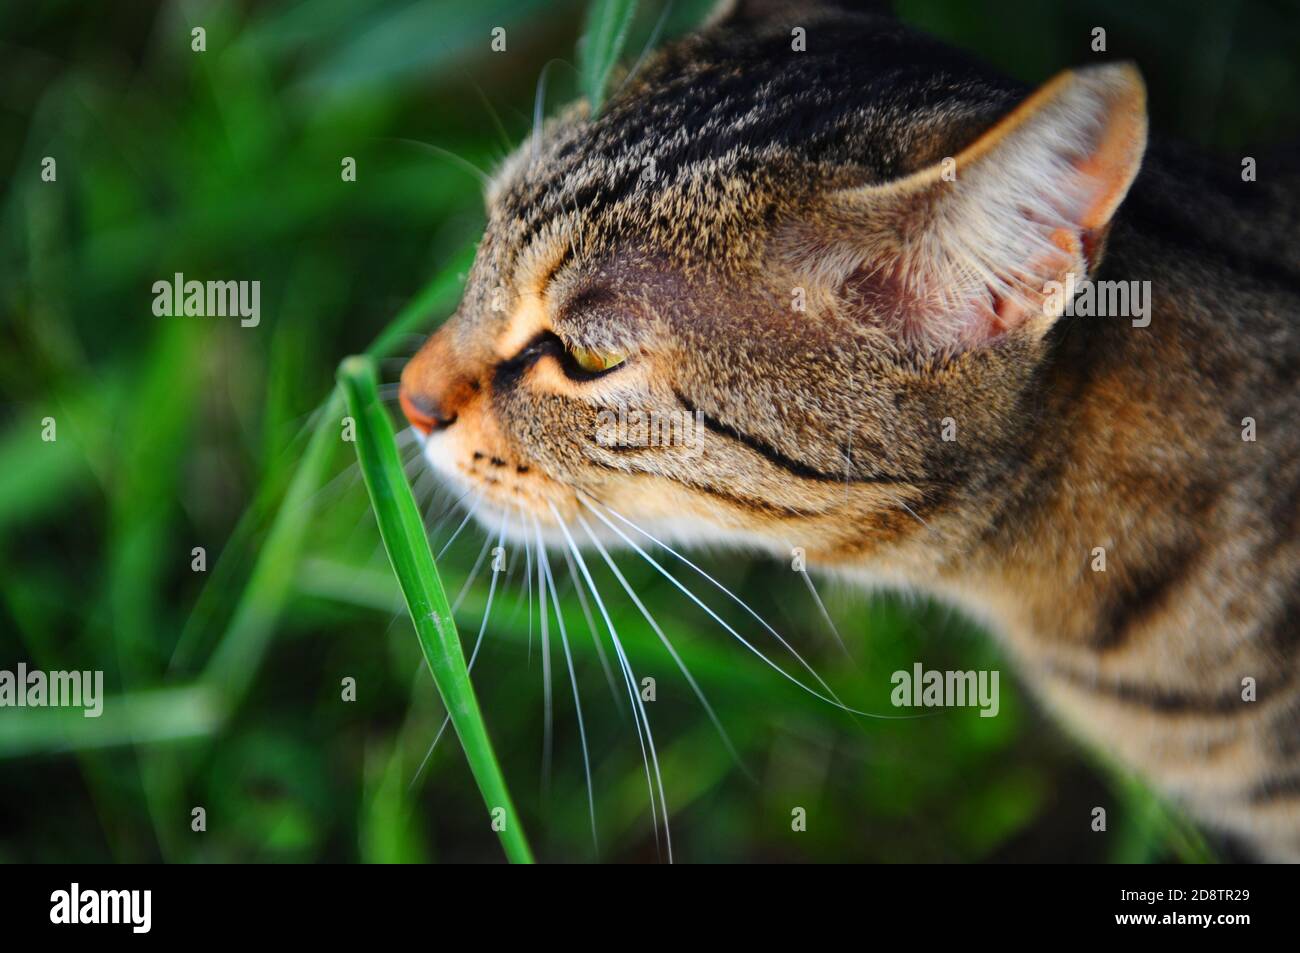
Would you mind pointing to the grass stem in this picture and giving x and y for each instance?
(402, 531)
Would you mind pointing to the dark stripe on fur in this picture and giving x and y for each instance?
(1280, 787)
(1142, 595)
(1168, 701)
(747, 502)
(777, 458)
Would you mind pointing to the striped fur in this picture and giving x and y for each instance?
(731, 171)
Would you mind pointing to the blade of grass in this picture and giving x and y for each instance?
(236, 658)
(402, 531)
(602, 42)
(146, 717)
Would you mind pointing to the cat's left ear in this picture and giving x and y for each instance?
(962, 251)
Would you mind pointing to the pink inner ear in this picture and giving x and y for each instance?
(901, 294)
(888, 297)
(1014, 311)
(951, 263)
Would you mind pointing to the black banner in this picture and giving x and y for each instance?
(333, 904)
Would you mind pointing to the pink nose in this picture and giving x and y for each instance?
(423, 412)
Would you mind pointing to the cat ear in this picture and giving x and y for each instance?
(962, 251)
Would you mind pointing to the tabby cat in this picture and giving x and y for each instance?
(843, 253)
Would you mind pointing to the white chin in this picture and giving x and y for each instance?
(521, 527)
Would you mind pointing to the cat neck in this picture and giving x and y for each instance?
(1145, 464)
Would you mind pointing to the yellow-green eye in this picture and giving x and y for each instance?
(593, 360)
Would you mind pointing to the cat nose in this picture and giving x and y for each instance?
(424, 412)
(437, 384)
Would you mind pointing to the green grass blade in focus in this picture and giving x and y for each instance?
(402, 530)
(601, 45)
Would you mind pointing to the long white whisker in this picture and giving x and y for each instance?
(510, 567)
(913, 512)
(735, 598)
(424, 483)
(829, 699)
(573, 680)
(645, 51)
(441, 519)
(496, 119)
(335, 487)
(639, 715)
(591, 627)
(539, 107)
(690, 679)
(484, 179)
(543, 628)
(528, 584)
(468, 516)
(473, 574)
(826, 616)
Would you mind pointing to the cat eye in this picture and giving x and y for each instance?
(579, 363)
(594, 360)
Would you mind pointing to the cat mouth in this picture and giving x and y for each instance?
(517, 500)
(495, 486)
(507, 485)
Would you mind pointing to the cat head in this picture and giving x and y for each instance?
(788, 288)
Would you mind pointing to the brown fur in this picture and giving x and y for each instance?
(824, 425)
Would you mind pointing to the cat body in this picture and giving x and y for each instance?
(841, 260)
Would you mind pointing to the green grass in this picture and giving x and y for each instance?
(403, 533)
(607, 25)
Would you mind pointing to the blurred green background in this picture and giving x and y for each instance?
(175, 433)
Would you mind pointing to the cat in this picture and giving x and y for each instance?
(845, 262)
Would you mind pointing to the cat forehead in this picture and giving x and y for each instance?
(720, 132)
(574, 197)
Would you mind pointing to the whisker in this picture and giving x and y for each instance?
(913, 512)
(468, 516)
(539, 107)
(527, 583)
(573, 680)
(483, 178)
(826, 616)
(425, 484)
(690, 679)
(473, 574)
(735, 598)
(547, 707)
(591, 627)
(412, 464)
(510, 567)
(337, 485)
(830, 698)
(496, 119)
(441, 519)
(645, 51)
(433, 522)
(639, 715)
